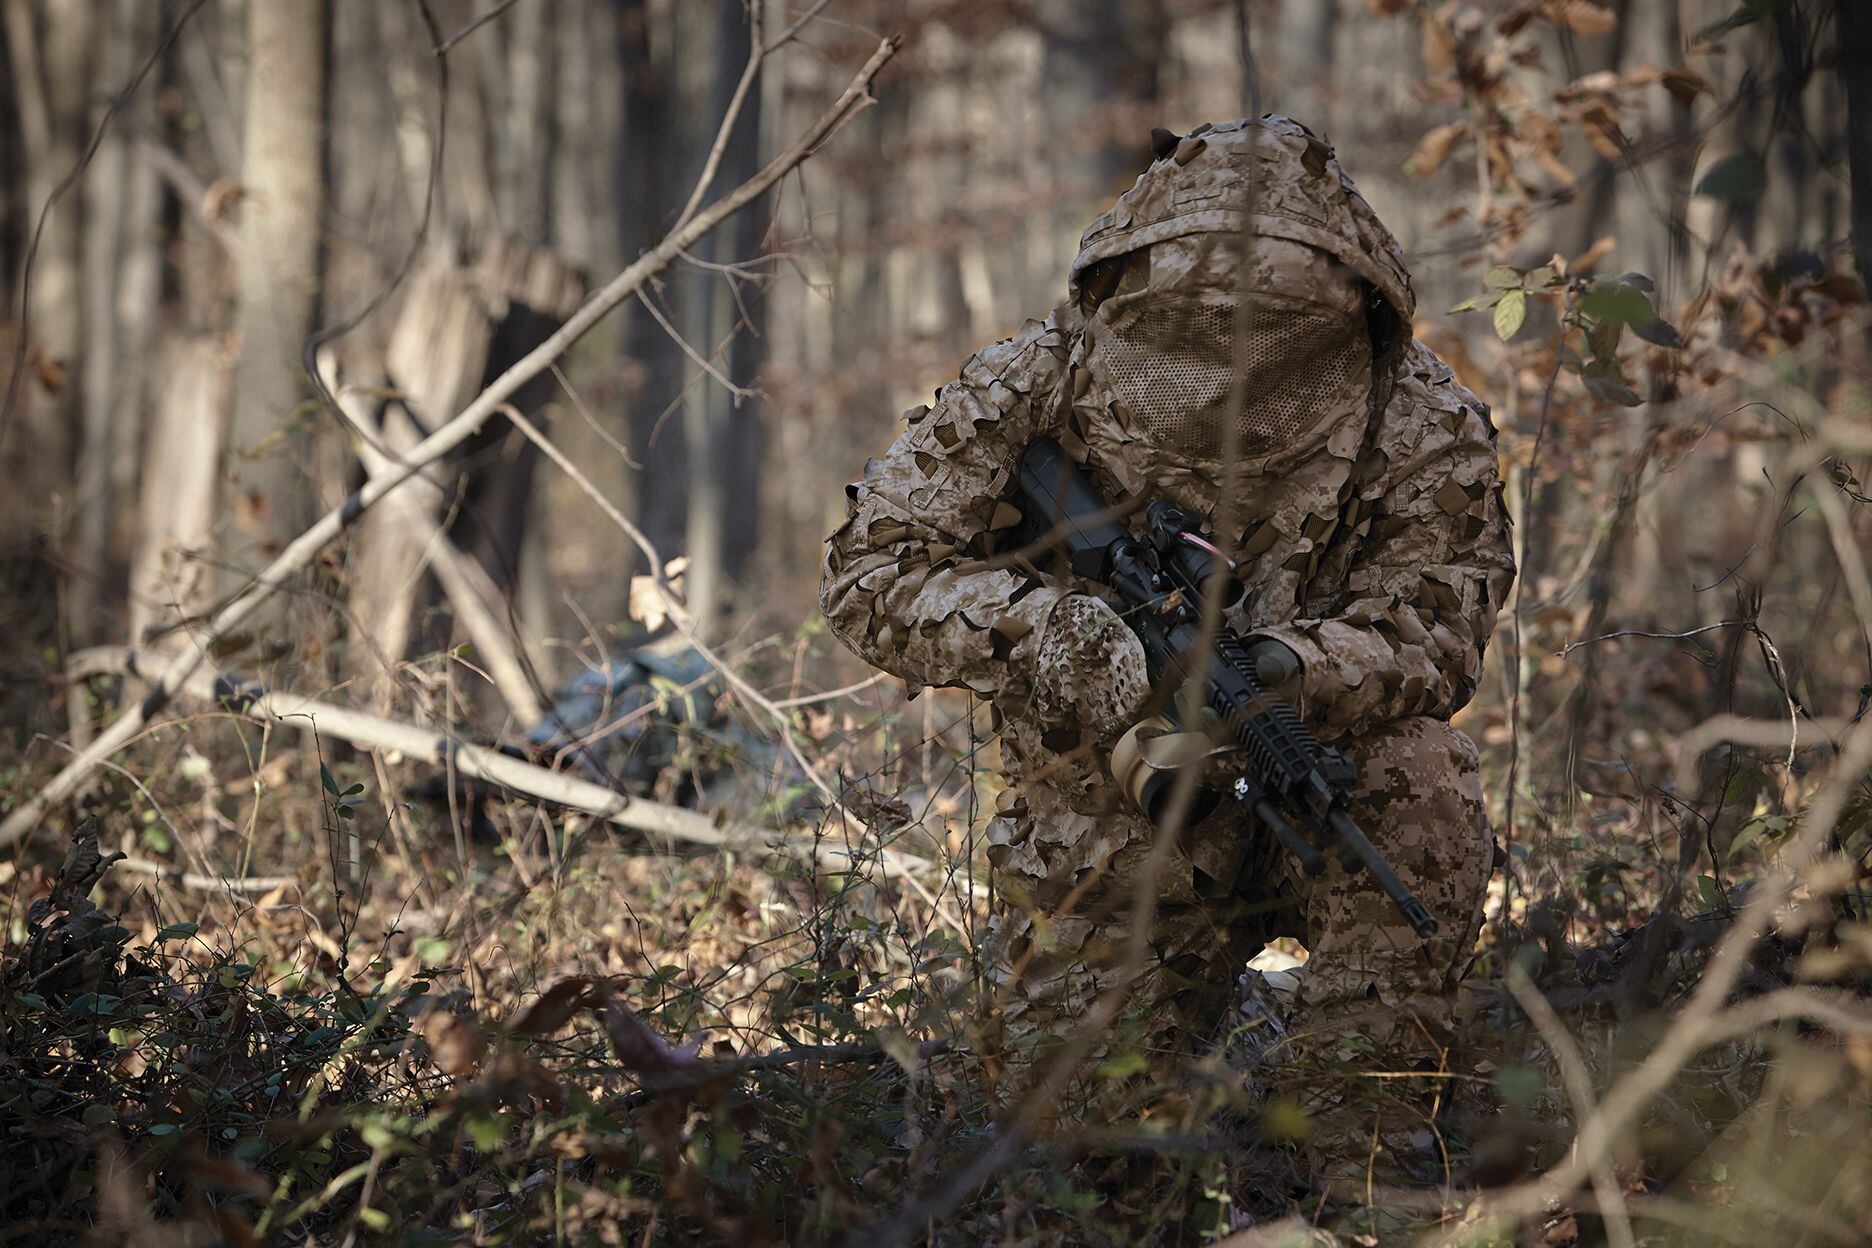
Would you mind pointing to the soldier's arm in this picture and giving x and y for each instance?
(898, 586)
(1429, 574)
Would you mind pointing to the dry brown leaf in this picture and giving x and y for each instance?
(1600, 126)
(1387, 8)
(50, 372)
(455, 1041)
(638, 1048)
(651, 605)
(554, 1008)
(1583, 17)
(1434, 148)
(1439, 53)
(1592, 255)
(219, 199)
(1685, 84)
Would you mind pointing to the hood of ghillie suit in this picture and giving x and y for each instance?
(1241, 294)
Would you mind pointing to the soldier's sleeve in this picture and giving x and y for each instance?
(904, 586)
(1429, 574)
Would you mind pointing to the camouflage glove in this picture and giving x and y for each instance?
(1089, 672)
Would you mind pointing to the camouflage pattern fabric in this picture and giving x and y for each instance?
(1371, 538)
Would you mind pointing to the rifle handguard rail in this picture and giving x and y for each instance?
(1288, 775)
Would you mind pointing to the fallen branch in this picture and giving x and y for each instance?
(464, 582)
(780, 1059)
(300, 552)
(479, 762)
(206, 883)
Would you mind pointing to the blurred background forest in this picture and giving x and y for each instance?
(255, 251)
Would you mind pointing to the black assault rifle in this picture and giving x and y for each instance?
(1287, 776)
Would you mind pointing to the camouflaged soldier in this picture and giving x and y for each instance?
(1372, 544)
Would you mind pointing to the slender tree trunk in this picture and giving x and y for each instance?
(1101, 55)
(647, 175)
(1300, 83)
(106, 205)
(1855, 56)
(169, 576)
(50, 47)
(282, 184)
(723, 432)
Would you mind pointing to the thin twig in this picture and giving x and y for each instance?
(448, 44)
(701, 361)
(1638, 632)
(1579, 1091)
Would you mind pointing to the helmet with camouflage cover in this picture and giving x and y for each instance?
(1245, 228)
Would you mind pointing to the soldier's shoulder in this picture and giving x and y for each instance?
(1035, 354)
(1427, 396)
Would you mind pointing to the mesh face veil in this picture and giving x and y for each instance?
(1168, 341)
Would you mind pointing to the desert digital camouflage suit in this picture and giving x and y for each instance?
(1371, 537)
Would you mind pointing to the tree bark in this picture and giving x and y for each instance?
(723, 432)
(651, 143)
(1855, 55)
(269, 489)
(175, 519)
(50, 47)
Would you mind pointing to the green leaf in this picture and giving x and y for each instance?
(1518, 1086)
(1123, 1066)
(330, 783)
(485, 1131)
(96, 1114)
(1488, 300)
(1510, 314)
(1611, 390)
(1743, 784)
(1744, 16)
(1503, 277)
(178, 931)
(1711, 891)
(1768, 826)
(1735, 178)
(1617, 303)
(1543, 278)
(376, 1219)
(1659, 333)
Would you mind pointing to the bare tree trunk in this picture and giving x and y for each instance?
(651, 141)
(1300, 85)
(1855, 55)
(169, 576)
(102, 360)
(282, 183)
(1101, 55)
(50, 45)
(723, 431)
(464, 321)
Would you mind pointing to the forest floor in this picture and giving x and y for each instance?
(424, 1016)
